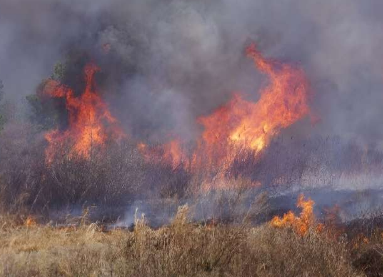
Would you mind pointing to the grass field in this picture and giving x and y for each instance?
(183, 248)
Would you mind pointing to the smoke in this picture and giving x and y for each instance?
(165, 63)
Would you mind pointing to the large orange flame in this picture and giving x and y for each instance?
(90, 122)
(245, 125)
(282, 103)
(242, 124)
(302, 223)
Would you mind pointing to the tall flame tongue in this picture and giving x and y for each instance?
(242, 124)
(302, 223)
(90, 122)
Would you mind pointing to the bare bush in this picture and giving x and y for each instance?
(113, 177)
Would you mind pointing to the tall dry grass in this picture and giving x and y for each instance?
(179, 249)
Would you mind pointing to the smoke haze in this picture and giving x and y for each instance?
(165, 63)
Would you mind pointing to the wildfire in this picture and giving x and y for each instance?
(169, 153)
(248, 125)
(302, 223)
(282, 102)
(30, 222)
(241, 124)
(245, 125)
(90, 122)
(173, 153)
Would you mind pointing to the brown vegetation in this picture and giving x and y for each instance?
(179, 249)
(228, 242)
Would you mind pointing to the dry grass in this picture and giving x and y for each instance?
(180, 249)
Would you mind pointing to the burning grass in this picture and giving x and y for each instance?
(241, 124)
(301, 224)
(224, 244)
(179, 249)
(87, 117)
(225, 176)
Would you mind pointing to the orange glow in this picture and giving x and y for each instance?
(302, 223)
(242, 124)
(30, 222)
(90, 122)
(173, 153)
(169, 153)
(282, 102)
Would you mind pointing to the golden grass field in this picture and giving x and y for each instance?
(182, 248)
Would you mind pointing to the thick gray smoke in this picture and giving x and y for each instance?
(167, 62)
(164, 63)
